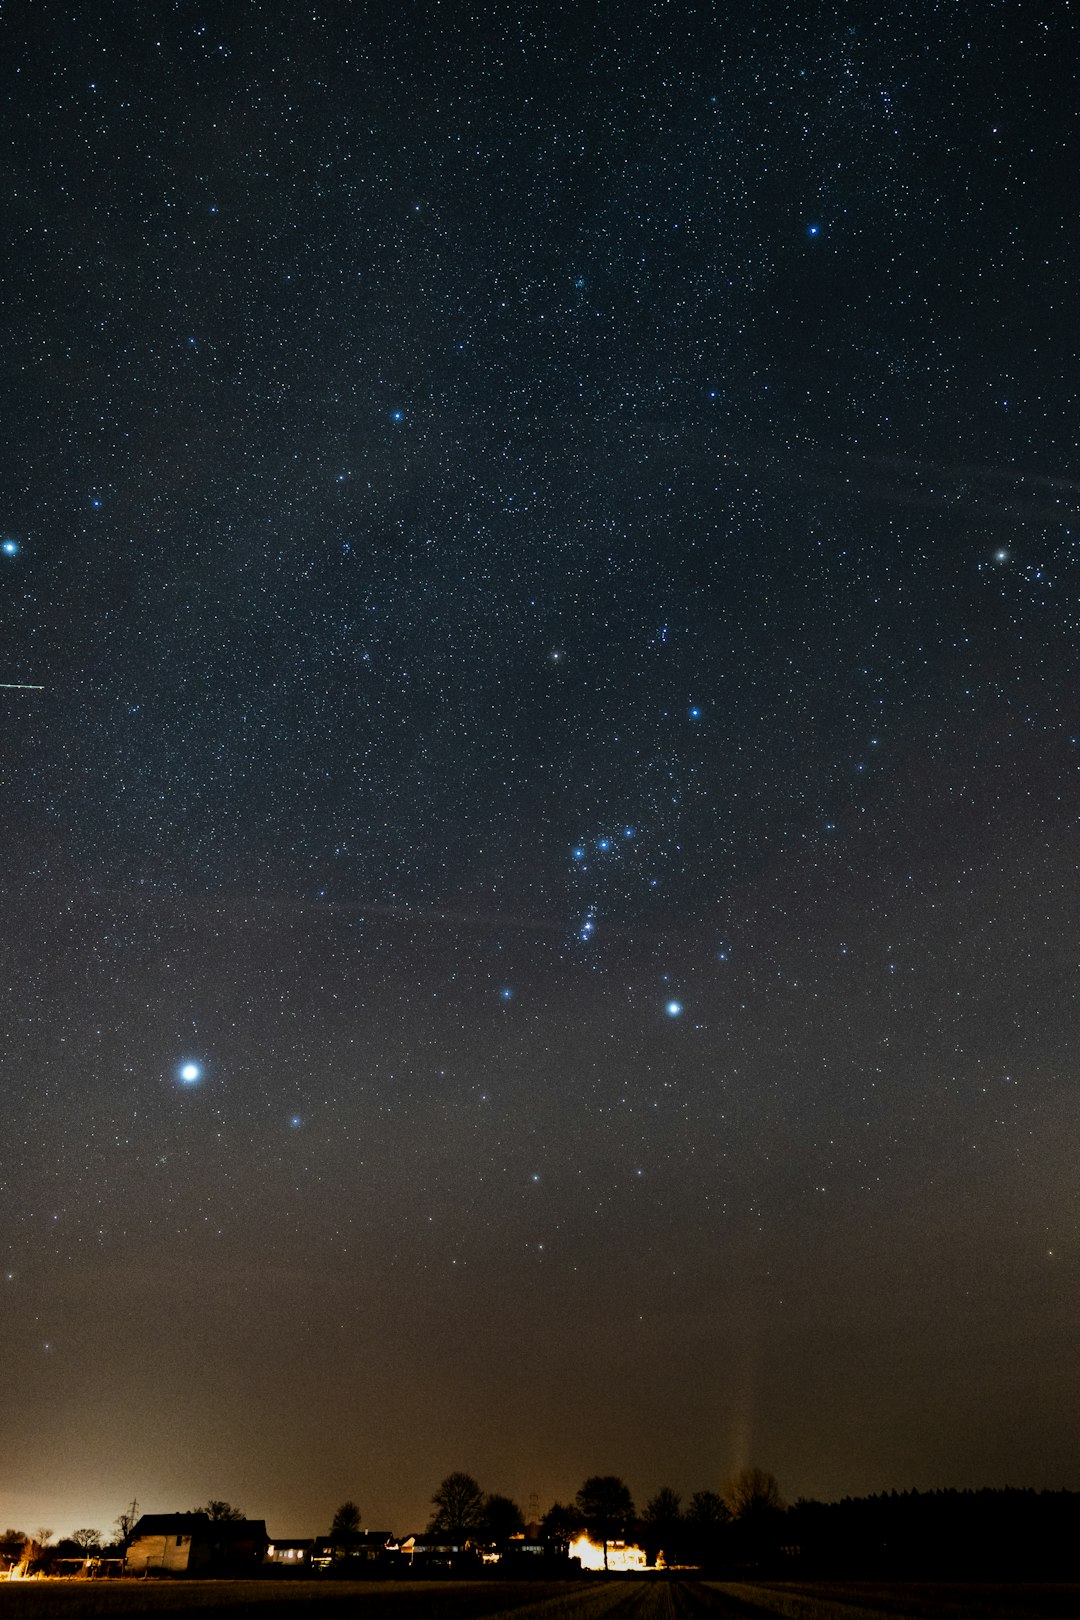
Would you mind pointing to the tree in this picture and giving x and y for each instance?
(605, 1504)
(664, 1508)
(346, 1526)
(219, 1511)
(663, 1520)
(753, 1499)
(752, 1491)
(707, 1509)
(502, 1518)
(707, 1520)
(560, 1522)
(459, 1508)
(87, 1541)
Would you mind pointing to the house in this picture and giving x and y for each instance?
(612, 1555)
(289, 1554)
(194, 1544)
(434, 1551)
(371, 1545)
(364, 1547)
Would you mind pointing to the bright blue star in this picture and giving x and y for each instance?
(628, 832)
(397, 416)
(11, 548)
(295, 1121)
(605, 843)
(673, 1009)
(813, 230)
(190, 1072)
(578, 853)
(695, 714)
(95, 502)
(506, 994)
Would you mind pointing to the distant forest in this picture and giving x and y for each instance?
(987, 1534)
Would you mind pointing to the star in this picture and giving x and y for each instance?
(11, 548)
(190, 1073)
(674, 1009)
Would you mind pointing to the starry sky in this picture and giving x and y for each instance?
(540, 883)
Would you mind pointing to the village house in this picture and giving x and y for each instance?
(365, 1547)
(434, 1551)
(289, 1554)
(194, 1544)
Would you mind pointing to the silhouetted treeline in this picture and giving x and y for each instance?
(985, 1534)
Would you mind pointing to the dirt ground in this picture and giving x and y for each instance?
(642, 1597)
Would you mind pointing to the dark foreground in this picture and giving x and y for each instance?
(642, 1597)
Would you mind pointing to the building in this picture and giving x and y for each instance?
(363, 1547)
(432, 1551)
(289, 1554)
(611, 1555)
(194, 1544)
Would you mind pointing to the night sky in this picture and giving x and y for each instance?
(540, 890)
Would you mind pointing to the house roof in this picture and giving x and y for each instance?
(189, 1524)
(169, 1524)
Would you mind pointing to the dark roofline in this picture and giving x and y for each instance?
(156, 1524)
(168, 1524)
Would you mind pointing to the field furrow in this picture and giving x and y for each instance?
(916, 1600)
